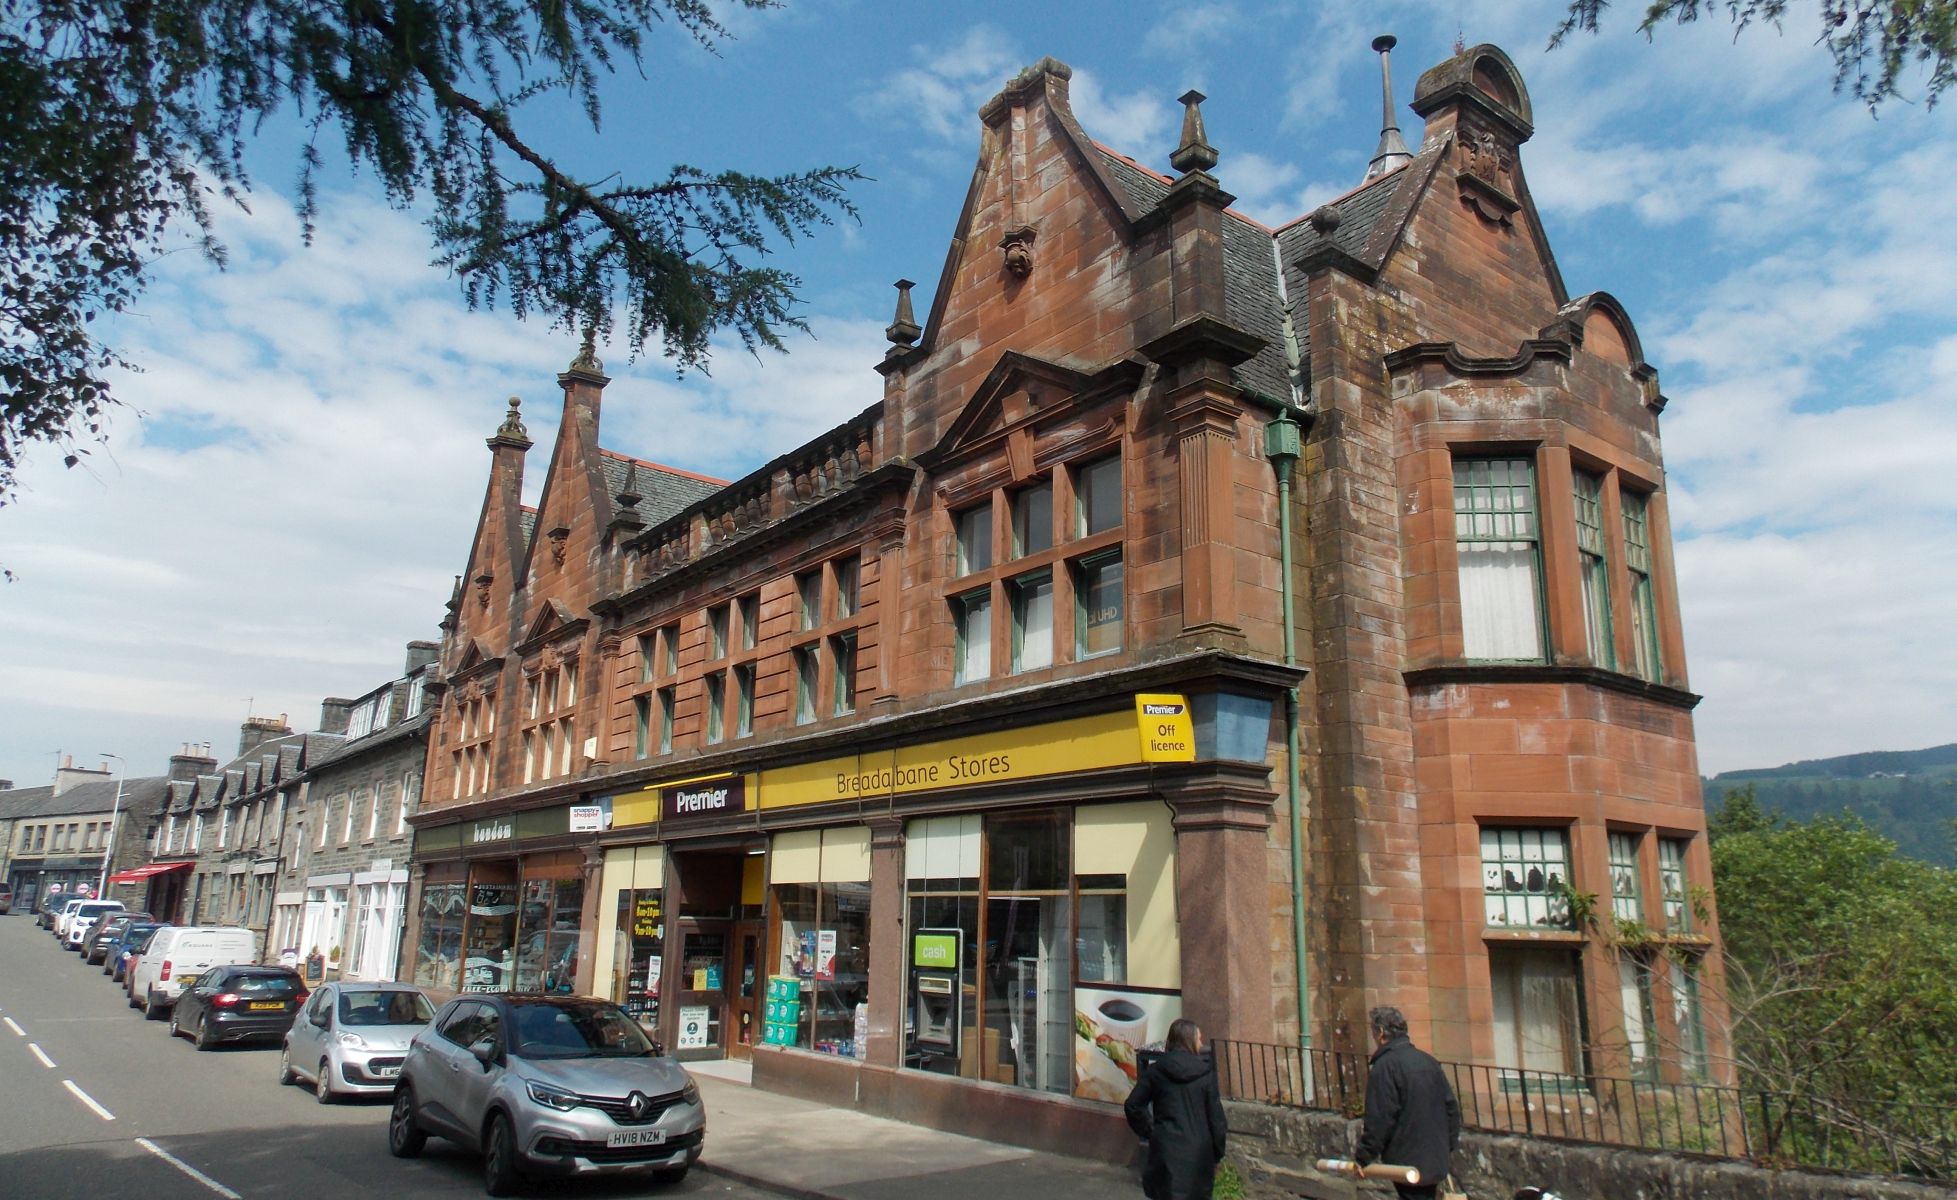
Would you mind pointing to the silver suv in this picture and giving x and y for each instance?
(547, 1085)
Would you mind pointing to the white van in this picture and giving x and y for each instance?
(180, 954)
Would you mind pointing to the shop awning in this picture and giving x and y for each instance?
(138, 874)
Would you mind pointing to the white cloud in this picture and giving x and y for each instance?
(1142, 124)
(1188, 28)
(942, 92)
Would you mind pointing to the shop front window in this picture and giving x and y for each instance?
(438, 951)
(1054, 964)
(548, 937)
(637, 960)
(818, 995)
(489, 934)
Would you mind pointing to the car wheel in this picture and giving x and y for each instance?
(323, 1083)
(206, 1036)
(404, 1138)
(176, 1022)
(152, 1011)
(286, 1073)
(499, 1173)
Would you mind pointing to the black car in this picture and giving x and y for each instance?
(237, 1003)
(95, 944)
(133, 940)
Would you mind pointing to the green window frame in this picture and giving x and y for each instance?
(1640, 1013)
(1032, 520)
(717, 618)
(1688, 1015)
(1593, 570)
(1097, 496)
(1100, 605)
(1626, 896)
(669, 637)
(1498, 551)
(842, 653)
(1525, 874)
(973, 539)
(716, 707)
(971, 618)
(1644, 600)
(641, 726)
(646, 659)
(808, 599)
(806, 682)
(744, 700)
(668, 702)
(849, 587)
(1032, 621)
(750, 609)
(1673, 884)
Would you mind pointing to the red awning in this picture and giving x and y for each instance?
(138, 874)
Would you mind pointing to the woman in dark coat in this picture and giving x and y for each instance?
(1177, 1108)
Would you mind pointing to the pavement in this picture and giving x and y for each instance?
(811, 1151)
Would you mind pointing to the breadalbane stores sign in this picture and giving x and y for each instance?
(707, 798)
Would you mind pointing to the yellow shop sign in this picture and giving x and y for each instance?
(1168, 733)
(1079, 744)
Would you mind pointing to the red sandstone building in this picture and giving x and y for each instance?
(841, 766)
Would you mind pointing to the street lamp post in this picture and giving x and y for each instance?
(115, 815)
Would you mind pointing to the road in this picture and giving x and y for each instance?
(95, 1101)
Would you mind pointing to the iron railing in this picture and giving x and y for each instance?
(1775, 1128)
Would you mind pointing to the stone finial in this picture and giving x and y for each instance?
(903, 330)
(1326, 219)
(587, 359)
(628, 496)
(1195, 152)
(511, 432)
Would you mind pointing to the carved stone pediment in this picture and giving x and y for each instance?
(1484, 179)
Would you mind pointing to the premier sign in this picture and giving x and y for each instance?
(706, 798)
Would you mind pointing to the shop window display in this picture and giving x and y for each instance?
(438, 952)
(548, 938)
(824, 961)
(637, 961)
(489, 935)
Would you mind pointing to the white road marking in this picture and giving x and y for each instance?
(18, 1031)
(42, 1055)
(187, 1169)
(89, 1100)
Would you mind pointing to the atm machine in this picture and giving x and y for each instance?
(936, 1011)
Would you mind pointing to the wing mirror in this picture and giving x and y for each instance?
(658, 1048)
(485, 1051)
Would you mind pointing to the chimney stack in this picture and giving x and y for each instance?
(420, 654)
(1392, 150)
(70, 775)
(192, 760)
(258, 730)
(335, 714)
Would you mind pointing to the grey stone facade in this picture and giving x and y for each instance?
(74, 831)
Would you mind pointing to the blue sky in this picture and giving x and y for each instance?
(299, 492)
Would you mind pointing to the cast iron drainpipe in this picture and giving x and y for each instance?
(1283, 443)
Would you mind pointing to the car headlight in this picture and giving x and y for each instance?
(352, 1041)
(691, 1092)
(553, 1097)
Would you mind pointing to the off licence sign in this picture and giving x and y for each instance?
(1168, 734)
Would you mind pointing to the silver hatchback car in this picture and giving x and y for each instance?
(547, 1085)
(351, 1038)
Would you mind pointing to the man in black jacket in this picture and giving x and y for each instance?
(1412, 1118)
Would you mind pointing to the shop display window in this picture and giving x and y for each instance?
(548, 938)
(1042, 948)
(637, 961)
(823, 947)
(438, 951)
(489, 932)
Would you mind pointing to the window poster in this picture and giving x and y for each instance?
(693, 1027)
(805, 954)
(1110, 1025)
(825, 954)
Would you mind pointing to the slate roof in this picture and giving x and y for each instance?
(1250, 292)
(143, 795)
(665, 490)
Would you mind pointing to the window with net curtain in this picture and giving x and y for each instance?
(1497, 538)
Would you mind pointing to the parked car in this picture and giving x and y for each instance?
(237, 1003)
(547, 1084)
(95, 946)
(58, 923)
(180, 954)
(352, 1037)
(84, 918)
(6, 899)
(127, 945)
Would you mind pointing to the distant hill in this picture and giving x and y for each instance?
(1909, 796)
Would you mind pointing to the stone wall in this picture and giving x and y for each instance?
(1273, 1148)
